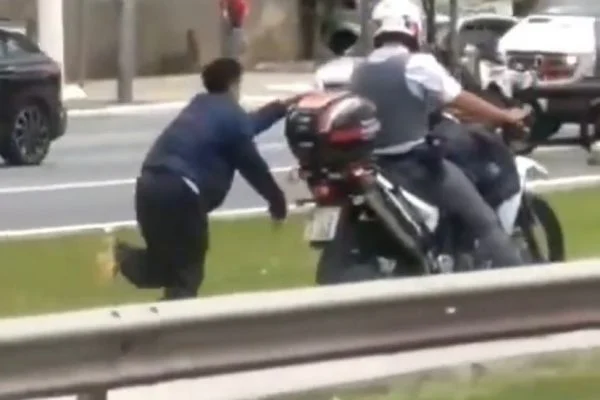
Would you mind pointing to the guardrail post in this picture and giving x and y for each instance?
(96, 394)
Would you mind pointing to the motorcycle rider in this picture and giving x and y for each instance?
(407, 87)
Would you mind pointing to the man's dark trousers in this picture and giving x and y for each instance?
(173, 221)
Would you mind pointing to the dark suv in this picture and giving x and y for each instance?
(32, 114)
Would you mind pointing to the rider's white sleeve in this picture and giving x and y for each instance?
(425, 70)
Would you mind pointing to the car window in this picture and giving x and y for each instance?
(567, 7)
(16, 45)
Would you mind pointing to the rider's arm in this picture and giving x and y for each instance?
(436, 82)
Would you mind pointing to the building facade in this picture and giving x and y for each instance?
(174, 36)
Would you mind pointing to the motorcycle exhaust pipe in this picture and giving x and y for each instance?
(374, 200)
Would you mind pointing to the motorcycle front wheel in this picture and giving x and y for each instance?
(537, 216)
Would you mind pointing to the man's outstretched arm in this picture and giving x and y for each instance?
(255, 171)
(267, 115)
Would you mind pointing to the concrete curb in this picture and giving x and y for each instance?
(73, 92)
(541, 186)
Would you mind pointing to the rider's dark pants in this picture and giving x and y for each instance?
(442, 183)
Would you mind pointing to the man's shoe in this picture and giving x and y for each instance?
(113, 258)
(106, 259)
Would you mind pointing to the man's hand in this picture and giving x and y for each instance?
(516, 118)
(290, 101)
(278, 210)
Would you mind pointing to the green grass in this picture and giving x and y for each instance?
(60, 273)
(579, 386)
(579, 212)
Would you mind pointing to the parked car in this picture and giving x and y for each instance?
(475, 30)
(32, 115)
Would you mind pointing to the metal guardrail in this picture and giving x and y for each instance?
(456, 371)
(94, 351)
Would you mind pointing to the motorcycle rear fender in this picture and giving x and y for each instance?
(525, 166)
(507, 211)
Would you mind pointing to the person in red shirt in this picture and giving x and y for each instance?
(234, 16)
(235, 11)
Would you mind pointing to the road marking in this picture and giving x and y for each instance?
(270, 146)
(540, 185)
(90, 184)
(556, 149)
(110, 226)
(565, 183)
(66, 186)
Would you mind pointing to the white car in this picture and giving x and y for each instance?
(560, 42)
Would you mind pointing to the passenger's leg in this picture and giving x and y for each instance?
(457, 194)
(483, 157)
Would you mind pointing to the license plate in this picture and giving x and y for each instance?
(322, 225)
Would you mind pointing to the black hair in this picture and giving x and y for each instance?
(396, 37)
(219, 75)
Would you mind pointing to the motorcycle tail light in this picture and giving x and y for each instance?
(322, 191)
(346, 136)
(325, 193)
(361, 174)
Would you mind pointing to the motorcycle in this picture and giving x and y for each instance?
(370, 227)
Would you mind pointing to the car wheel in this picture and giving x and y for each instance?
(29, 135)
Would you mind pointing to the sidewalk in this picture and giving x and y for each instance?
(257, 87)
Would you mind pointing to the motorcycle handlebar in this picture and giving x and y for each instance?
(516, 138)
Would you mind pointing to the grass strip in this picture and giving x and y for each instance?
(56, 274)
(571, 386)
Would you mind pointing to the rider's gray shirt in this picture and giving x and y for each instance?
(405, 88)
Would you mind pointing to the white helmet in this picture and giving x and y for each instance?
(398, 16)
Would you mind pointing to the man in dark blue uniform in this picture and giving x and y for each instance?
(187, 173)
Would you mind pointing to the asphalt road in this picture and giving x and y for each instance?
(88, 175)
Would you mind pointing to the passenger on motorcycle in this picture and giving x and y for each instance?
(407, 87)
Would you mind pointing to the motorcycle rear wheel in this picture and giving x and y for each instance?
(329, 273)
(359, 273)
